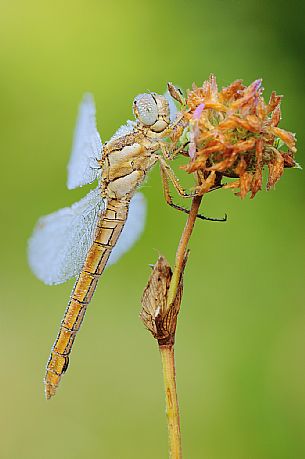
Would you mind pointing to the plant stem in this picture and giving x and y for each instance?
(172, 408)
(167, 350)
(182, 247)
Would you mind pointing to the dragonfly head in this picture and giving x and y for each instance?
(152, 110)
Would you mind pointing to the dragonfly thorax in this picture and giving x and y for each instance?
(152, 110)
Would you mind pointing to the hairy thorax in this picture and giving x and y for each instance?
(125, 163)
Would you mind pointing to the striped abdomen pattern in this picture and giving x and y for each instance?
(108, 231)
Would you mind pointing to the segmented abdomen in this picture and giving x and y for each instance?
(108, 231)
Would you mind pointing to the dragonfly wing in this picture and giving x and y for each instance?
(126, 129)
(172, 107)
(87, 147)
(61, 240)
(132, 230)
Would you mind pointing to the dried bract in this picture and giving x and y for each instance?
(159, 317)
(234, 133)
(176, 93)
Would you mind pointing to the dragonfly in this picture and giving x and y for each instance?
(81, 240)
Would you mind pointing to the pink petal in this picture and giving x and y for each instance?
(198, 111)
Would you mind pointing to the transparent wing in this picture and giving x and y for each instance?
(172, 106)
(61, 240)
(132, 230)
(87, 147)
(127, 128)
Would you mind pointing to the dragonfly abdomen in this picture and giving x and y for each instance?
(107, 233)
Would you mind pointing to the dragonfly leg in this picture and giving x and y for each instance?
(168, 172)
(170, 153)
(174, 124)
(170, 202)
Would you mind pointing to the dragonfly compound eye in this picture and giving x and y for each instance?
(145, 109)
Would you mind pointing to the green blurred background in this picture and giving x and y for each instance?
(241, 339)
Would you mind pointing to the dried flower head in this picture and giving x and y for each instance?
(234, 133)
